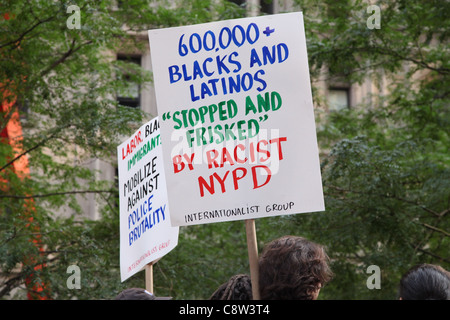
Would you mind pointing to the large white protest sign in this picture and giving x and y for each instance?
(237, 120)
(146, 233)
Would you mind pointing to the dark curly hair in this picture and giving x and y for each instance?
(292, 268)
(238, 287)
(425, 282)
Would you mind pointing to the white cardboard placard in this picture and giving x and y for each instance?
(146, 233)
(237, 120)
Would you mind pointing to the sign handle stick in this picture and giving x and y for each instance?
(252, 247)
(149, 277)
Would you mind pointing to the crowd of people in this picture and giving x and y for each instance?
(294, 268)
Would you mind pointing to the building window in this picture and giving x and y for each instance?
(23, 107)
(267, 6)
(130, 96)
(241, 3)
(338, 99)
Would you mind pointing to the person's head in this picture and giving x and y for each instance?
(238, 287)
(137, 294)
(425, 282)
(292, 268)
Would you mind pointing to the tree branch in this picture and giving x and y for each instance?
(63, 58)
(389, 197)
(11, 283)
(29, 150)
(436, 229)
(20, 38)
(434, 255)
(53, 194)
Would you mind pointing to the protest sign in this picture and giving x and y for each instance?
(237, 120)
(146, 233)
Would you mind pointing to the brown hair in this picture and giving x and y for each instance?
(292, 267)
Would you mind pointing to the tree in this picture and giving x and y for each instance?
(386, 175)
(54, 65)
(385, 163)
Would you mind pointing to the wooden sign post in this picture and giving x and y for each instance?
(149, 277)
(252, 247)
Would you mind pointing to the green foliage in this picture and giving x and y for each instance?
(384, 207)
(386, 174)
(67, 81)
(385, 163)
